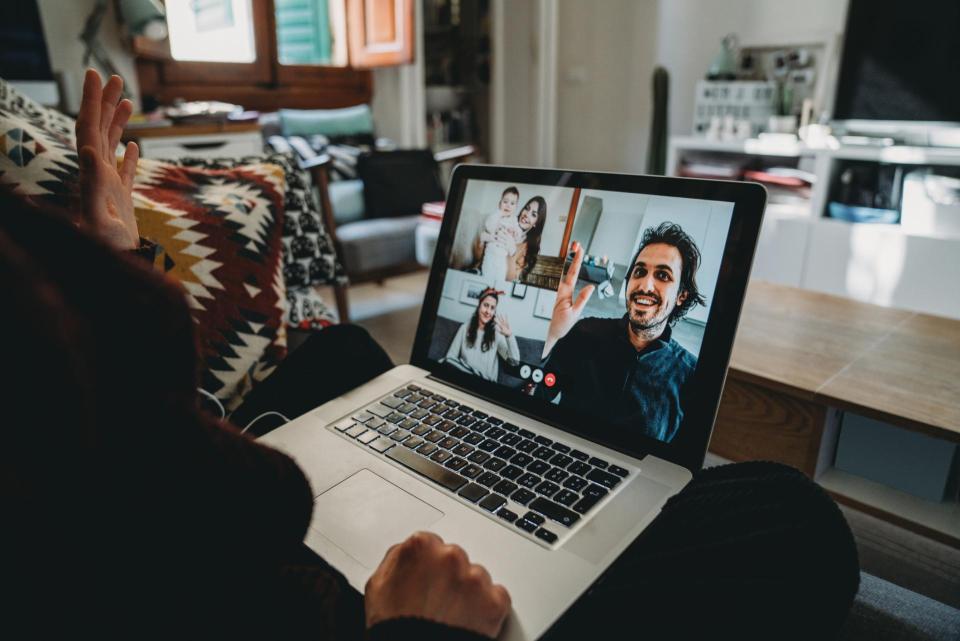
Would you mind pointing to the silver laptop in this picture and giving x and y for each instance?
(566, 373)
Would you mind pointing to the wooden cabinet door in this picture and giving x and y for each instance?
(380, 32)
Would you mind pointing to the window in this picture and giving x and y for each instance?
(267, 54)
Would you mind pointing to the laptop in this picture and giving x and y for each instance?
(567, 369)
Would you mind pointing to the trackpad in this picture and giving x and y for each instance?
(365, 514)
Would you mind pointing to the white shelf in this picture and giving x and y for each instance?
(941, 518)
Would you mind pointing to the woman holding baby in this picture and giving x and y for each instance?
(507, 245)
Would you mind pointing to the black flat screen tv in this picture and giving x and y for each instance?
(900, 62)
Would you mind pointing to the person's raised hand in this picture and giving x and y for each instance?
(106, 192)
(503, 325)
(424, 577)
(566, 309)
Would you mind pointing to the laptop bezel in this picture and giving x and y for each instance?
(689, 447)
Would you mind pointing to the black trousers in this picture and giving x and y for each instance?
(747, 551)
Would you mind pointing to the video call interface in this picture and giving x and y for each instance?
(617, 338)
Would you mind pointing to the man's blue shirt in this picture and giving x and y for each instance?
(600, 373)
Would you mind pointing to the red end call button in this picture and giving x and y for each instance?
(550, 379)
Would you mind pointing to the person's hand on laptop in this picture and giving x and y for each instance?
(566, 309)
(106, 193)
(424, 577)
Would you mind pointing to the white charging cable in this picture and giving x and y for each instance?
(216, 401)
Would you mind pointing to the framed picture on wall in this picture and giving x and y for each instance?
(470, 291)
(519, 290)
(545, 301)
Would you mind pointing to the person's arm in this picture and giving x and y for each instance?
(106, 192)
(454, 350)
(566, 309)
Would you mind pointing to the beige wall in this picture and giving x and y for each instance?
(63, 21)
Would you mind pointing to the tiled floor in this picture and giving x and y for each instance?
(390, 313)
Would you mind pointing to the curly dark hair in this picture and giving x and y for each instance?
(533, 236)
(489, 330)
(668, 233)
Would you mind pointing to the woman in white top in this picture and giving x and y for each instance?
(479, 341)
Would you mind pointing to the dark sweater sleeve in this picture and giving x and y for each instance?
(420, 629)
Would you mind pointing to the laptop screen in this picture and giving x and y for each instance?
(617, 341)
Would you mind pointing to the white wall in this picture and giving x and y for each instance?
(606, 55)
(398, 104)
(619, 224)
(62, 23)
(689, 34)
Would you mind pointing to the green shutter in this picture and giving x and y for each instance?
(303, 32)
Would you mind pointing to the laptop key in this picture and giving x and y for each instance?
(413, 442)
(523, 496)
(458, 432)
(521, 460)
(526, 433)
(420, 430)
(446, 426)
(528, 480)
(510, 427)
(432, 420)
(553, 511)
(375, 423)
(363, 417)
(462, 450)
(613, 469)
(505, 488)
(495, 464)
(479, 457)
(561, 460)
(448, 443)
(556, 475)
(413, 388)
(427, 449)
(488, 479)
(594, 490)
(421, 413)
(494, 420)
(395, 417)
(507, 515)
(399, 435)
(473, 439)
(526, 446)
(403, 393)
(543, 452)
(533, 516)
(441, 456)
(407, 424)
(480, 414)
(426, 403)
(466, 421)
(440, 399)
(566, 497)
(560, 447)
(387, 428)
(510, 472)
(471, 471)
(455, 463)
(448, 479)
(503, 451)
(392, 402)
(380, 410)
(489, 445)
(538, 467)
(453, 414)
(492, 502)
(473, 492)
(414, 399)
(434, 436)
(495, 432)
(580, 456)
(344, 425)
(356, 430)
(543, 440)
(547, 489)
(526, 525)
(382, 444)
(406, 408)
(598, 462)
(579, 468)
(546, 535)
(510, 439)
(368, 437)
(583, 505)
(466, 409)
(603, 478)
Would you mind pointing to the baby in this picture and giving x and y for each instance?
(500, 236)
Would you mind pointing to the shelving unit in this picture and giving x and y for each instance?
(801, 246)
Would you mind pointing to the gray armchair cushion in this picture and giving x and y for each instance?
(883, 611)
(378, 243)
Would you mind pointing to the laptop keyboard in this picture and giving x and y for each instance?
(536, 485)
